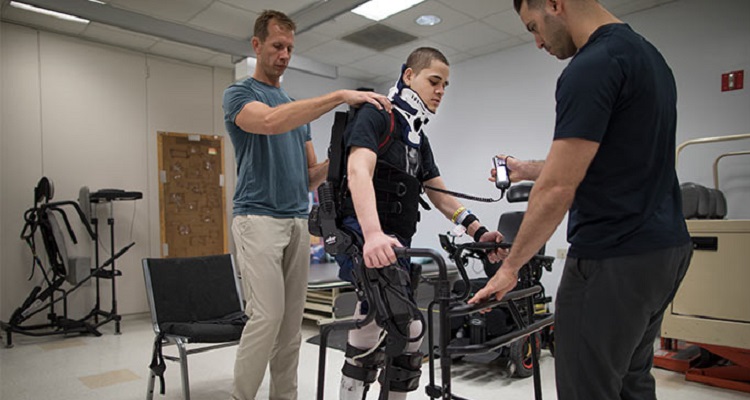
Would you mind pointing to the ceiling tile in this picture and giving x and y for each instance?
(403, 51)
(353, 73)
(379, 64)
(479, 8)
(622, 8)
(404, 21)
(172, 10)
(221, 60)
(342, 25)
(496, 46)
(285, 6)
(338, 52)
(470, 28)
(35, 19)
(471, 36)
(119, 37)
(460, 57)
(225, 19)
(508, 22)
(307, 40)
(182, 52)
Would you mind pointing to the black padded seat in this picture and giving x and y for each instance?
(192, 300)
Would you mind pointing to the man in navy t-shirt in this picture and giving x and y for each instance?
(612, 165)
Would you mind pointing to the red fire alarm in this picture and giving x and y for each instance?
(734, 80)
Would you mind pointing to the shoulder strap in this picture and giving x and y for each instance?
(336, 151)
(388, 138)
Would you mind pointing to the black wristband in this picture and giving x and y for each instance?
(468, 220)
(478, 234)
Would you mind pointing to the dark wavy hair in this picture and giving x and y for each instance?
(532, 4)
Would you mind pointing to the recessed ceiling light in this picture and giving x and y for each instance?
(428, 20)
(51, 13)
(377, 10)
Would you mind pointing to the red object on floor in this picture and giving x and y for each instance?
(676, 356)
(734, 375)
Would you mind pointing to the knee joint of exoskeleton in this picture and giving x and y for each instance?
(404, 372)
(363, 365)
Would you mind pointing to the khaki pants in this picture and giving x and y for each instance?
(274, 259)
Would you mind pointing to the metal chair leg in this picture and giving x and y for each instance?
(184, 369)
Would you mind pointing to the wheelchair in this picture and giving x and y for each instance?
(479, 328)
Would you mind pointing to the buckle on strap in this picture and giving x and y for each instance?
(397, 188)
(394, 207)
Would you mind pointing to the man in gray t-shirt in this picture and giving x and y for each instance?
(276, 167)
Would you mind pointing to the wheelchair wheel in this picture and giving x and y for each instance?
(521, 361)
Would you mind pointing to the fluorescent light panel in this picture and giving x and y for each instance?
(377, 10)
(51, 13)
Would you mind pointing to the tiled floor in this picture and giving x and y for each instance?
(113, 367)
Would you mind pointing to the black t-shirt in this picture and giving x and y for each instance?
(368, 129)
(619, 91)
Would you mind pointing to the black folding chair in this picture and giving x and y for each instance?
(192, 300)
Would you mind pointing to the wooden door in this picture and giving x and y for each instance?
(191, 195)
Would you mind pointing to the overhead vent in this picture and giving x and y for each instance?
(379, 37)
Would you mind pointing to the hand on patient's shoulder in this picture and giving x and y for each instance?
(357, 98)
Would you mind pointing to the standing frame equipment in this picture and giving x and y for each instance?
(42, 221)
(707, 311)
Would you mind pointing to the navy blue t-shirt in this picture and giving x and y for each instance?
(368, 129)
(619, 91)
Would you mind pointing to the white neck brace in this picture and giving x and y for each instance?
(412, 110)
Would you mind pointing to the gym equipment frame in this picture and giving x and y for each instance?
(708, 310)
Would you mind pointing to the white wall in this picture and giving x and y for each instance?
(504, 103)
(86, 114)
(22, 155)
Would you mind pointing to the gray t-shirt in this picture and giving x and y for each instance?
(272, 174)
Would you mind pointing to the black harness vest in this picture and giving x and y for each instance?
(397, 193)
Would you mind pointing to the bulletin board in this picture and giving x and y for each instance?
(191, 195)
